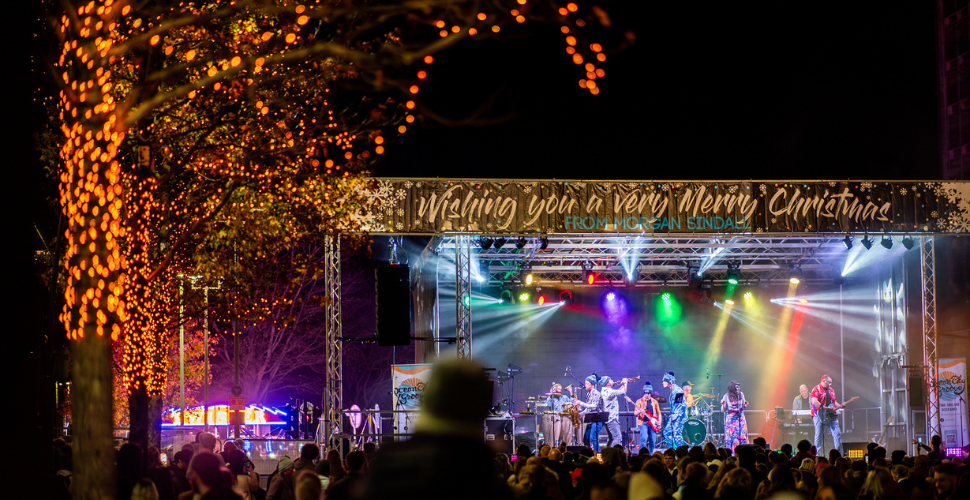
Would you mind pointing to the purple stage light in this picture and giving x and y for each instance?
(611, 296)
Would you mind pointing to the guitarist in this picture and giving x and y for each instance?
(824, 406)
(647, 411)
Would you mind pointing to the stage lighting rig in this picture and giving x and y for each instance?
(506, 297)
(485, 242)
(543, 243)
(908, 243)
(794, 273)
(631, 278)
(887, 242)
(520, 244)
(866, 242)
(565, 297)
(500, 242)
(694, 277)
(588, 276)
(733, 273)
(847, 242)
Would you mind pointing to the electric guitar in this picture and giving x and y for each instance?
(644, 414)
(828, 415)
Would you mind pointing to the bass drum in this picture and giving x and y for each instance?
(695, 432)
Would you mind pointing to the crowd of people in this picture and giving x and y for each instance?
(447, 458)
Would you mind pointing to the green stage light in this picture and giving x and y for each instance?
(524, 297)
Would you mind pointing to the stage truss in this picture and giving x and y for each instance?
(762, 260)
(662, 260)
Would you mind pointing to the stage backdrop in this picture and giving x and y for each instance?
(663, 207)
(407, 386)
(953, 406)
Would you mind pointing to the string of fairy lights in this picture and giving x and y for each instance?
(206, 136)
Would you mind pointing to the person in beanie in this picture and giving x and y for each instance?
(674, 431)
(593, 404)
(446, 458)
(281, 486)
(644, 405)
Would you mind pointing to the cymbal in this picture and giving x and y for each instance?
(702, 395)
(660, 399)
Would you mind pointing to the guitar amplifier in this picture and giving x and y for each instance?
(499, 435)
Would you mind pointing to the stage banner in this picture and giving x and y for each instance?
(665, 207)
(952, 385)
(407, 387)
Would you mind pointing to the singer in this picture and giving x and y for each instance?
(735, 426)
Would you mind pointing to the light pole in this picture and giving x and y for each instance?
(205, 349)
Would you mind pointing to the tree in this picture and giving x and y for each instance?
(179, 115)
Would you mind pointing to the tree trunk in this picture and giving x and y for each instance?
(138, 417)
(94, 454)
(155, 421)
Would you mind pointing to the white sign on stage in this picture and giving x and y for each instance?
(407, 386)
(952, 386)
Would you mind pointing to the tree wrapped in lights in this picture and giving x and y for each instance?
(195, 128)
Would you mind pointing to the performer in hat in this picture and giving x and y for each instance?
(674, 430)
(643, 406)
(593, 404)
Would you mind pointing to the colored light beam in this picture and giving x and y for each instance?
(774, 377)
(504, 322)
(713, 352)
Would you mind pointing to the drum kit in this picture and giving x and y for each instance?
(699, 426)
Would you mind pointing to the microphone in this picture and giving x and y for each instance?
(567, 371)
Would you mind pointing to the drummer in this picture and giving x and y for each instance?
(689, 398)
(553, 420)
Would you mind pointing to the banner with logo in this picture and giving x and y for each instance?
(665, 207)
(407, 389)
(952, 385)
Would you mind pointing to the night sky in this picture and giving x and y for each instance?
(776, 90)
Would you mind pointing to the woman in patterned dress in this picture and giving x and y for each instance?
(735, 427)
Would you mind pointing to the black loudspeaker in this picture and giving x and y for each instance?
(575, 449)
(916, 395)
(526, 438)
(393, 305)
(498, 435)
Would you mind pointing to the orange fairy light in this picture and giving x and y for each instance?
(481, 16)
(520, 18)
(413, 89)
(428, 59)
(472, 31)
(571, 7)
(564, 29)
(496, 29)
(290, 37)
(455, 29)
(443, 33)
(409, 104)
(570, 50)
(422, 74)
(402, 129)
(601, 57)
(439, 24)
(563, 11)
(571, 40)
(379, 150)
(578, 58)
(595, 47)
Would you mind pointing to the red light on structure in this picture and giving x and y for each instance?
(590, 279)
(542, 299)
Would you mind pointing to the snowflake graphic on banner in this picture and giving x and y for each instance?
(763, 188)
(866, 185)
(957, 194)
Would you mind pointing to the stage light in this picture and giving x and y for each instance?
(733, 273)
(506, 297)
(467, 300)
(794, 273)
(483, 266)
(665, 296)
(588, 275)
(837, 277)
(887, 242)
(630, 278)
(523, 296)
(565, 297)
(521, 243)
(803, 301)
(485, 243)
(847, 242)
(866, 242)
(748, 295)
(543, 243)
(611, 296)
(542, 300)
(526, 276)
(729, 302)
(500, 242)
(908, 243)
(694, 277)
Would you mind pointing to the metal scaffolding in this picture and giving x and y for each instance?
(930, 357)
(463, 294)
(333, 394)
